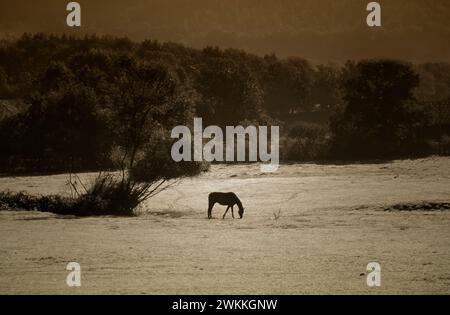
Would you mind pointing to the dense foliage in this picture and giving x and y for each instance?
(101, 102)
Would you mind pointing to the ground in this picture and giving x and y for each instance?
(332, 222)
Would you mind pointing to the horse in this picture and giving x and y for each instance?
(226, 199)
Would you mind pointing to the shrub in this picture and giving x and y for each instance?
(22, 200)
(108, 195)
(306, 141)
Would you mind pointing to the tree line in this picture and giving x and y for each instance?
(105, 102)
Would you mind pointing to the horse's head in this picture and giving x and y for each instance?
(241, 212)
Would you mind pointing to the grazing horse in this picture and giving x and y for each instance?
(226, 199)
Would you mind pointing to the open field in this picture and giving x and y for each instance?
(332, 224)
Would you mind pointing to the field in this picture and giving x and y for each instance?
(332, 222)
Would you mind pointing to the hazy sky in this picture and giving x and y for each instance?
(320, 30)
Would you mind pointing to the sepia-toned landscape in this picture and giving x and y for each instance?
(225, 147)
(314, 234)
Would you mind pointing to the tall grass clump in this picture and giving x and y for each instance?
(107, 195)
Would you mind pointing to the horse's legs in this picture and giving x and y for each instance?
(211, 205)
(232, 211)
(223, 217)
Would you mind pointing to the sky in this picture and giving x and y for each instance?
(318, 30)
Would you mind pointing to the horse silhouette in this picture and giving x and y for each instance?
(226, 199)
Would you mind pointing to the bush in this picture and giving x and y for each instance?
(306, 141)
(21, 200)
(108, 195)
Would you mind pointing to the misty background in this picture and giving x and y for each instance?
(328, 30)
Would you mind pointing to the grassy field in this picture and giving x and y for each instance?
(332, 222)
